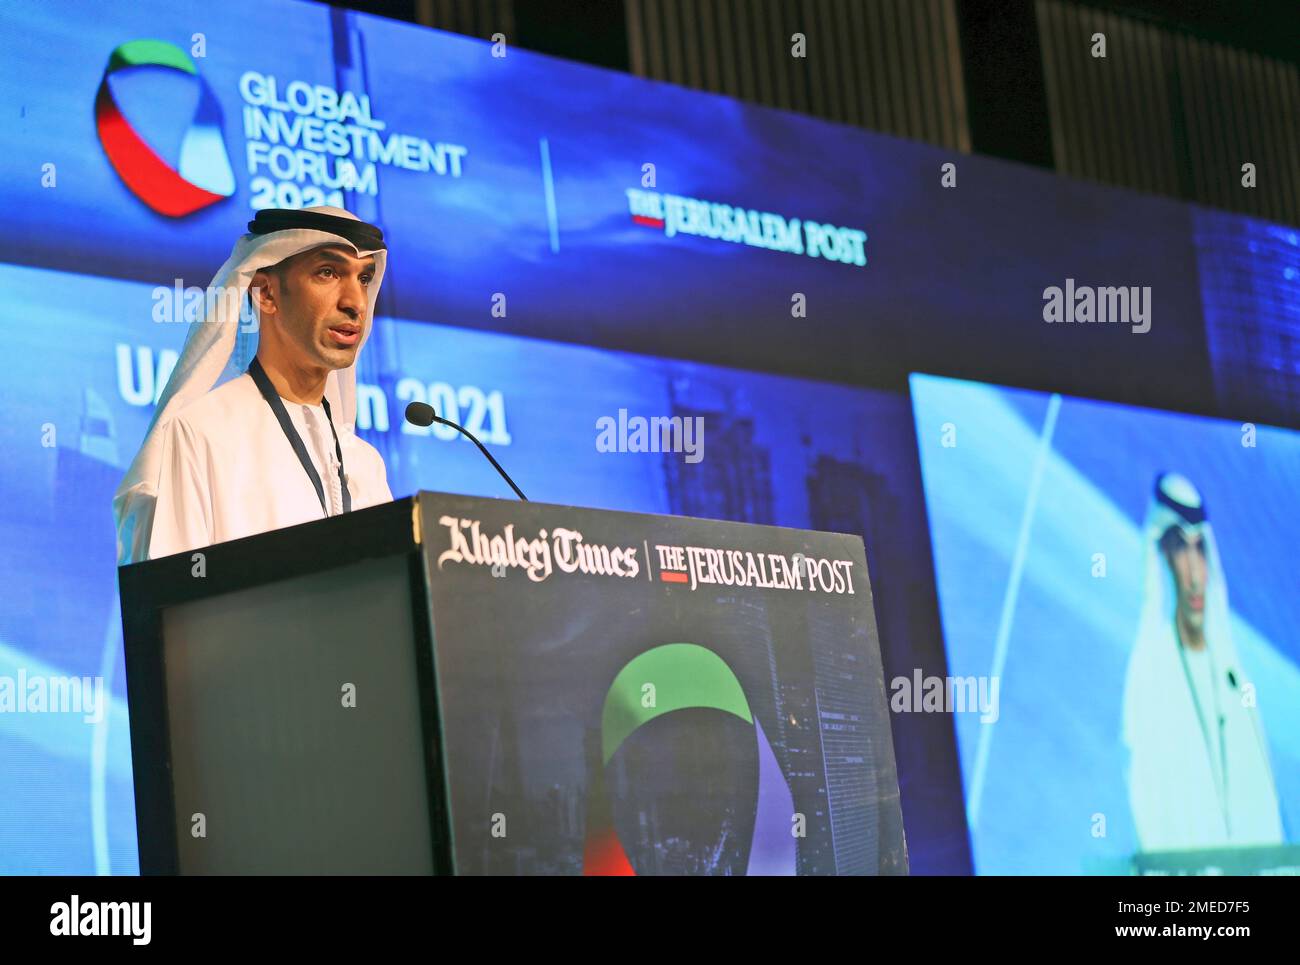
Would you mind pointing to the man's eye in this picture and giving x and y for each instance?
(326, 269)
(366, 279)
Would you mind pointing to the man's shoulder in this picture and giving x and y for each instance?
(210, 415)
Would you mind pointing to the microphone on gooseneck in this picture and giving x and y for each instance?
(422, 414)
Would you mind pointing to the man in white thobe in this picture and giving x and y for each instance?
(1199, 771)
(275, 445)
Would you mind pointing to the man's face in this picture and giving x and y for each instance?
(318, 306)
(1187, 561)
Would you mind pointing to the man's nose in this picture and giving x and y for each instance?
(352, 298)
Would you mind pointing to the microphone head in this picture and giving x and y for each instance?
(420, 414)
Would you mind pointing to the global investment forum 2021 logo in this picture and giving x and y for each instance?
(203, 175)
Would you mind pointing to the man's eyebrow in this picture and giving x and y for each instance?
(326, 255)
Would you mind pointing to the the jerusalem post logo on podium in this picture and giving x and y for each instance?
(203, 175)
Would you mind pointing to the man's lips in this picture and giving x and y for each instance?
(345, 334)
(1196, 601)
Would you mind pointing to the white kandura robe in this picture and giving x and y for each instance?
(228, 471)
(1175, 784)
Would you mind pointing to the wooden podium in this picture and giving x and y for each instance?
(447, 684)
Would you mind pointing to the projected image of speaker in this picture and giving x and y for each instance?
(1123, 580)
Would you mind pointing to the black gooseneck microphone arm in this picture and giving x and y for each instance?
(423, 414)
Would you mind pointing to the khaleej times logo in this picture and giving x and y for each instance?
(470, 542)
(203, 175)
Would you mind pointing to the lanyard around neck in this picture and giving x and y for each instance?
(282, 416)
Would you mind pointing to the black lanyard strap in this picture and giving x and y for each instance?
(282, 416)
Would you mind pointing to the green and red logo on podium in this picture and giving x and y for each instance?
(202, 176)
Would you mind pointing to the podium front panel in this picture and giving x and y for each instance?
(295, 740)
(630, 694)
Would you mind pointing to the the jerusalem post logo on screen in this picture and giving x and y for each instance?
(203, 175)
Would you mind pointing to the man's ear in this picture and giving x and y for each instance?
(262, 294)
